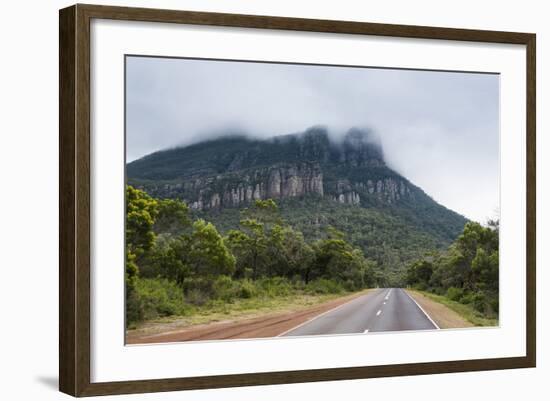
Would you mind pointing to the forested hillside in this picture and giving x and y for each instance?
(176, 264)
(316, 182)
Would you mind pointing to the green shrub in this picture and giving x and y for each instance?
(351, 285)
(440, 291)
(454, 293)
(134, 312)
(421, 286)
(297, 282)
(155, 298)
(225, 288)
(467, 298)
(479, 302)
(323, 286)
(248, 273)
(196, 296)
(247, 289)
(275, 286)
(198, 290)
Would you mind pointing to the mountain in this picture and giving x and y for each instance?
(316, 182)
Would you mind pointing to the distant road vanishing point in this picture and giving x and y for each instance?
(388, 309)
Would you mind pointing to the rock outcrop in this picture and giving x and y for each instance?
(236, 189)
(233, 172)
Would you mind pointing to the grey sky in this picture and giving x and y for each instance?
(438, 129)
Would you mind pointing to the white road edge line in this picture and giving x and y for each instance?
(422, 309)
(318, 316)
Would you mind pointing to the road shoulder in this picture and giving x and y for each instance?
(268, 325)
(442, 315)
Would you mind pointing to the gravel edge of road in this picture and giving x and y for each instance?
(445, 317)
(270, 325)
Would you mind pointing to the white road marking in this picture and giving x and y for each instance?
(322, 314)
(378, 313)
(366, 331)
(422, 309)
(384, 303)
(388, 294)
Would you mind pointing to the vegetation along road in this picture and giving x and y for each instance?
(241, 238)
(377, 310)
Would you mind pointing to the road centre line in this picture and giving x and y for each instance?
(318, 316)
(378, 313)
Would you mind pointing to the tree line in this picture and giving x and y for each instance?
(173, 262)
(467, 272)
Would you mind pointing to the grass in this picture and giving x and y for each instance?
(466, 311)
(216, 311)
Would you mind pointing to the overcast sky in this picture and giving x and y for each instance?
(438, 129)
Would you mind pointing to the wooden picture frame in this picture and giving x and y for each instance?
(74, 199)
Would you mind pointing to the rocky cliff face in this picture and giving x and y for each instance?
(388, 190)
(232, 172)
(236, 189)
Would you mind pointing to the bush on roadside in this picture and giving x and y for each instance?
(247, 289)
(134, 312)
(421, 287)
(323, 286)
(198, 290)
(275, 286)
(454, 293)
(225, 288)
(196, 296)
(467, 298)
(155, 298)
(479, 302)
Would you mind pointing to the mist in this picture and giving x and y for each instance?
(438, 129)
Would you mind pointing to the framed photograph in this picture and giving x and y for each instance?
(249, 200)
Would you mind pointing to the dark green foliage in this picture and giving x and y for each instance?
(467, 272)
(169, 258)
(351, 222)
(324, 286)
(454, 294)
(191, 264)
(208, 255)
(383, 236)
(141, 212)
(154, 298)
(336, 259)
(173, 216)
(265, 246)
(391, 232)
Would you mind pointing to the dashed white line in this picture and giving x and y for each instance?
(366, 331)
(378, 313)
(321, 315)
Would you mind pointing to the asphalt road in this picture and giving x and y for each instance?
(388, 309)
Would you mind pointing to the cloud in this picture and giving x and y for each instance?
(438, 129)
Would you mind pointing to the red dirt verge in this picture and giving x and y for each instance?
(270, 325)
